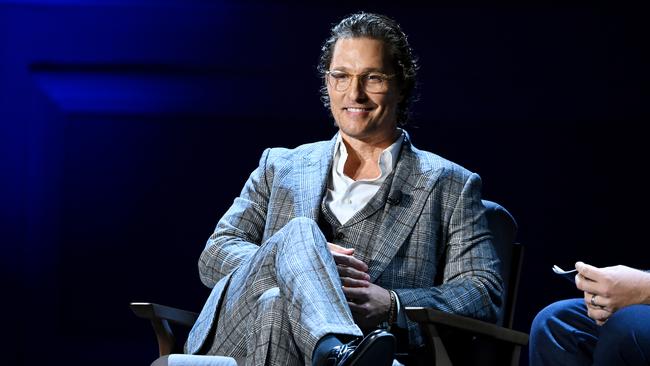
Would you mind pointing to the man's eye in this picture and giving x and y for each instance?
(375, 78)
(340, 76)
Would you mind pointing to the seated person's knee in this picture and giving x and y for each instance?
(626, 325)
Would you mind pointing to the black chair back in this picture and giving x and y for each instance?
(504, 230)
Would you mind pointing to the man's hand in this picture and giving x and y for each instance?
(368, 302)
(351, 270)
(596, 312)
(608, 289)
(369, 305)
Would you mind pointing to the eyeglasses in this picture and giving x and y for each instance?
(373, 82)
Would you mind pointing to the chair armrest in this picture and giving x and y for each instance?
(151, 311)
(160, 316)
(478, 327)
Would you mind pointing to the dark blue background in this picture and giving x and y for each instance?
(128, 127)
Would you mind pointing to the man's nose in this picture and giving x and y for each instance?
(357, 90)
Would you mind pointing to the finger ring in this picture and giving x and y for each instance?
(593, 300)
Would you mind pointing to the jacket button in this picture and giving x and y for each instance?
(340, 235)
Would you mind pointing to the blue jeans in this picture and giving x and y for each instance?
(563, 334)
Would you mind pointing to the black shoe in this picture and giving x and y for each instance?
(375, 349)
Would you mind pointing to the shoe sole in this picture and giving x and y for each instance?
(374, 350)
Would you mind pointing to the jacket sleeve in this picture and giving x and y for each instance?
(239, 232)
(471, 282)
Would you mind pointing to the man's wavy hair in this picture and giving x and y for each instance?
(379, 27)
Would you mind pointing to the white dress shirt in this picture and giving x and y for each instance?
(346, 196)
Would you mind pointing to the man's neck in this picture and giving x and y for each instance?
(363, 155)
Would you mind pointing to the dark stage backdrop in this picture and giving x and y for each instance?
(128, 127)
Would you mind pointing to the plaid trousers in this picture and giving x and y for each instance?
(279, 304)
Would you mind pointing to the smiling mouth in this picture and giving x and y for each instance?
(357, 110)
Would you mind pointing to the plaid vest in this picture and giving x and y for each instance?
(367, 220)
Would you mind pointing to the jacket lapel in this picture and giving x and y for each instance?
(410, 188)
(312, 174)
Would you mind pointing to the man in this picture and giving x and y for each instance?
(331, 240)
(609, 326)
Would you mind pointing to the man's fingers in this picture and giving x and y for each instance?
(339, 249)
(357, 295)
(353, 282)
(349, 266)
(349, 261)
(355, 308)
(599, 315)
(588, 271)
(598, 302)
(353, 273)
(588, 285)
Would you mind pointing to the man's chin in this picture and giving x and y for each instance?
(355, 134)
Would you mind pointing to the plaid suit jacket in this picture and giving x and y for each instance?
(434, 249)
